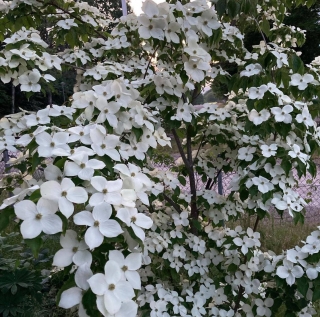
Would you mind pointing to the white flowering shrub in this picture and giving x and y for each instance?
(135, 240)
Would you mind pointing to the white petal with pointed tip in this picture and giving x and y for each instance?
(70, 297)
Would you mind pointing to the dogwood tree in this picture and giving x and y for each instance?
(139, 240)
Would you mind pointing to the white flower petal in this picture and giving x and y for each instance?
(93, 237)
(98, 284)
(133, 278)
(77, 195)
(110, 228)
(83, 218)
(30, 228)
(82, 275)
(102, 212)
(51, 224)
(70, 297)
(82, 257)
(63, 258)
(25, 209)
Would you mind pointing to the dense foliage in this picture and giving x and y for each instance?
(140, 240)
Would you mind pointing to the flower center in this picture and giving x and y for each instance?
(38, 216)
(124, 268)
(111, 287)
(96, 223)
(64, 194)
(74, 249)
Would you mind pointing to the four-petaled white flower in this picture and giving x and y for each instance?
(108, 191)
(301, 81)
(38, 218)
(65, 194)
(73, 250)
(82, 166)
(100, 224)
(135, 220)
(259, 117)
(269, 150)
(129, 266)
(112, 287)
(264, 185)
(282, 114)
(263, 306)
(289, 271)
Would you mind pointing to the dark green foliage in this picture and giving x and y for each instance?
(307, 19)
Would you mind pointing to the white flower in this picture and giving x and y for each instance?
(296, 152)
(257, 92)
(38, 218)
(196, 68)
(151, 27)
(282, 114)
(181, 219)
(250, 70)
(246, 153)
(29, 81)
(289, 272)
(82, 166)
(65, 194)
(108, 191)
(55, 145)
(129, 266)
(244, 243)
(100, 224)
(305, 117)
(301, 81)
(73, 295)
(263, 306)
(264, 185)
(111, 285)
(66, 24)
(259, 117)
(135, 220)
(269, 150)
(73, 250)
(282, 58)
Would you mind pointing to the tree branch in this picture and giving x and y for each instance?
(189, 166)
(72, 15)
(172, 203)
(151, 57)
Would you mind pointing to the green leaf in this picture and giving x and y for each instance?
(89, 303)
(182, 180)
(316, 294)
(35, 161)
(35, 196)
(137, 132)
(303, 285)
(34, 244)
(221, 7)
(5, 217)
(196, 224)
(64, 222)
(296, 64)
(265, 26)
(233, 8)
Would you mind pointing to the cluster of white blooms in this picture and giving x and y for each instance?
(141, 241)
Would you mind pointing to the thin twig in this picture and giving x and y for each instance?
(256, 224)
(77, 67)
(151, 57)
(172, 203)
(189, 166)
(183, 156)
